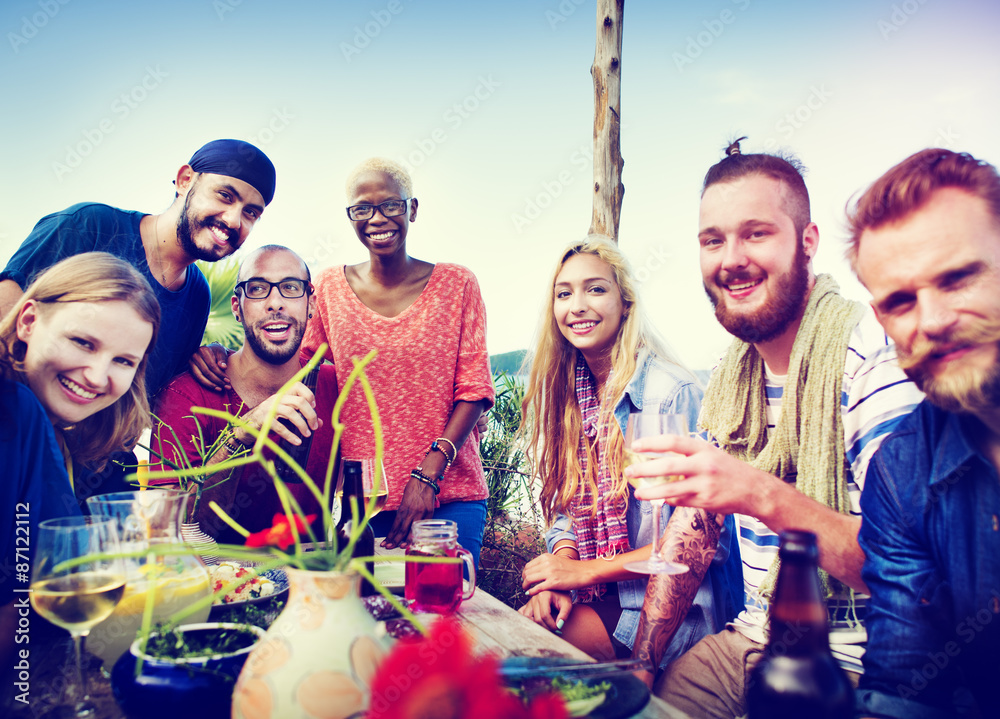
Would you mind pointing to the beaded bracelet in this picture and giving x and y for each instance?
(454, 449)
(435, 447)
(233, 446)
(417, 474)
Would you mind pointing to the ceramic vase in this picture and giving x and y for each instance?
(317, 658)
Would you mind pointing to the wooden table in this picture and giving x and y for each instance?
(499, 629)
(495, 627)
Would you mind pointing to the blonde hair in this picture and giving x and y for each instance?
(387, 167)
(551, 422)
(90, 277)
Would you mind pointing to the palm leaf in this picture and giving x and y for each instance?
(222, 327)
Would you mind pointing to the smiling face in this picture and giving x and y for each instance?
(81, 356)
(587, 306)
(754, 265)
(274, 326)
(382, 236)
(934, 276)
(217, 216)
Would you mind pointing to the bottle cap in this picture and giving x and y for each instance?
(798, 542)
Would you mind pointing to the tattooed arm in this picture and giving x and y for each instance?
(691, 538)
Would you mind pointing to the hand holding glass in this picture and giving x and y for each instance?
(78, 598)
(652, 424)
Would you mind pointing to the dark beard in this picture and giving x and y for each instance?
(271, 354)
(185, 234)
(784, 307)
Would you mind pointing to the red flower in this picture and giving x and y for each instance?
(438, 677)
(279, 534)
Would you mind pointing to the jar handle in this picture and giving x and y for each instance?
(466, 556)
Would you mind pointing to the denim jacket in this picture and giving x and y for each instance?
(720, 596)
(931, 535)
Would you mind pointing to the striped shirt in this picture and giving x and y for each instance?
(875, 397)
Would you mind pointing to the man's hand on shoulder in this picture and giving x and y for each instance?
(208, 367)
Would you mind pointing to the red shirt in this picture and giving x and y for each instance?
(256, 501)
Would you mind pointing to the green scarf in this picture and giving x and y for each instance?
(809, 436)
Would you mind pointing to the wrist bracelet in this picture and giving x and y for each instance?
(417, 474)
(233, 446)
(435, 447)
(454, 450)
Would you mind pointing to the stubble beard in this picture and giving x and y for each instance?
(275, 354)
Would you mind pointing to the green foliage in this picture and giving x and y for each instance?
(507, 363)
(512, 536)
(222, 326)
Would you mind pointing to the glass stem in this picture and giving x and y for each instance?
(654, 555)
(80, 687)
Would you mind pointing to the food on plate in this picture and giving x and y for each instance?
(581, 697)
(254, 586)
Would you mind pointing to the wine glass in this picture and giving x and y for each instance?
(373, 484)
(652, 424)
(79, 597)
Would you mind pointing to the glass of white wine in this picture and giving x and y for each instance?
(79, 597)
(373, 484)
(652, 424)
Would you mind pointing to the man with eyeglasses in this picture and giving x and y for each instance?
(273, 299)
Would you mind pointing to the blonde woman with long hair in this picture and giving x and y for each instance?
(79, 337)
(596, 359)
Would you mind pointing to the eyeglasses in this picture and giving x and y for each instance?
(257, 289)
(389, 208)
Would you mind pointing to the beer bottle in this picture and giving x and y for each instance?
(298, 452)
(798, 676)
(365, 546)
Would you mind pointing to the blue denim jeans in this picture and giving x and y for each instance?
(469, 516)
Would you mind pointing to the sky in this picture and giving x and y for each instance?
(490, 106)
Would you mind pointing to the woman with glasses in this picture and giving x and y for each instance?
(596, 359)
(431, 377)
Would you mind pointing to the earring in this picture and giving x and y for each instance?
(310, 315)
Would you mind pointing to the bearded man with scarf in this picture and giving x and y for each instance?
(793, 412)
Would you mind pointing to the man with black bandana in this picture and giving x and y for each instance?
(220, 194)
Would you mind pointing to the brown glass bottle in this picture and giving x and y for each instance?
(365, 545)
(298, 452)
(798, 676)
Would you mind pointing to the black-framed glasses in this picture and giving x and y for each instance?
(258, 289)
(389, 208)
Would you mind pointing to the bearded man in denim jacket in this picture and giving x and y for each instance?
(926, 244)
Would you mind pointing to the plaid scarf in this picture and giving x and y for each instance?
(604, 534)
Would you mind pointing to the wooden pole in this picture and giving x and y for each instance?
(606, 71)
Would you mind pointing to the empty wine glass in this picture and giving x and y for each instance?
(652, 424)
(79, 597)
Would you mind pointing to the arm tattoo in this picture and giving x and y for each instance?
(691, 538)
